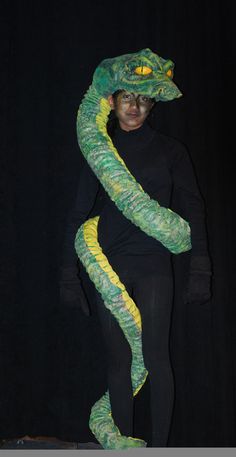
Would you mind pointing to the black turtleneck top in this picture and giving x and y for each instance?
(162, 166)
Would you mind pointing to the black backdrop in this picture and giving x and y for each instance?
(52, 359)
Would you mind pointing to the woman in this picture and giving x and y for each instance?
(161, 165)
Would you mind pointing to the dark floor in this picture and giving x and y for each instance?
(45, 443)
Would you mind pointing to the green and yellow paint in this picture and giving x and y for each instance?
(148, 74)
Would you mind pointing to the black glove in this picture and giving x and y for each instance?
(198, 290)
(71, 291)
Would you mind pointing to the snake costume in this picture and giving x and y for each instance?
(147, 74)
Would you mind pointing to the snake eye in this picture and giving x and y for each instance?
(169, 73)
(142, 70)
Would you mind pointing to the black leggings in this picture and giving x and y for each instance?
(153, 296)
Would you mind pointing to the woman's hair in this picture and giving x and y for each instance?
(112, 122)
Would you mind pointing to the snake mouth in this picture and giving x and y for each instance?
(168, 91)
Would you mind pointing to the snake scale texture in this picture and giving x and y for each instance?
(148, 74)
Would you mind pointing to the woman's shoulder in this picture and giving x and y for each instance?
(172, 147)
(168, 140)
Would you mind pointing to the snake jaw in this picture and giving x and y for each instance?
(167, 92)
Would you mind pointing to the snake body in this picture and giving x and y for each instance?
(145, 73)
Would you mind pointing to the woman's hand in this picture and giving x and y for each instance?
(71, 291)
(198, 289)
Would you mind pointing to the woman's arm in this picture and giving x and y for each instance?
(187, 196)
(191, 207)
(87, 196)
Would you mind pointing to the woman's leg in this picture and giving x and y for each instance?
(119, 365)
(153, 296)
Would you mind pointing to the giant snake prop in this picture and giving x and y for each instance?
(148, 74)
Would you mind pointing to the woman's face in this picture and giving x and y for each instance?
(131, 109)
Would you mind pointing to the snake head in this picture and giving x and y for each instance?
(143, 72)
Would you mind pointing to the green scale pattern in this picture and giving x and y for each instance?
(159, 222)
(101, 422)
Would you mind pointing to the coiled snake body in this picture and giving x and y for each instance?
(148, 74)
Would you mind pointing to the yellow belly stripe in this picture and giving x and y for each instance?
(91, 240)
